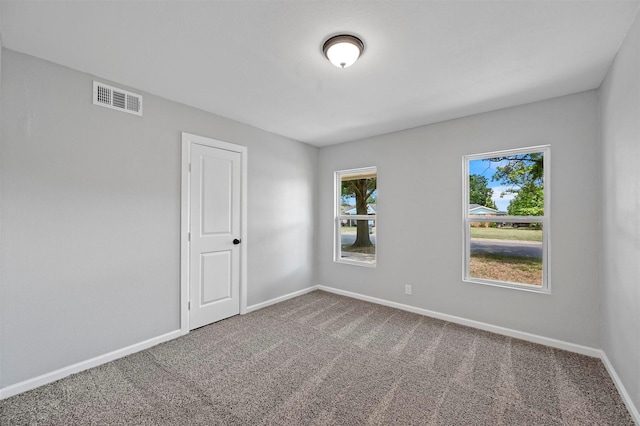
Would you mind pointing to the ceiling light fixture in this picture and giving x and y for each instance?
(343, 50)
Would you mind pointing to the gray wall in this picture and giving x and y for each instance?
(420, 218)
(620, 95)
(90, 202)
(0, 190)
(91, 217)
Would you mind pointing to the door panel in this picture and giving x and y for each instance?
(215, 278)
(214, 261)
(217, 197)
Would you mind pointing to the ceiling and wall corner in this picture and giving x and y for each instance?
(424, 62)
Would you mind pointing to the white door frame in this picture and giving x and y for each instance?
(187, 140)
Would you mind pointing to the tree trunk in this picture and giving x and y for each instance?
(362, 226)
(362, 236)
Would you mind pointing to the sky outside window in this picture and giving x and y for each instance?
(487, 169)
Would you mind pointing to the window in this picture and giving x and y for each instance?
(506, 218)
(355, 216)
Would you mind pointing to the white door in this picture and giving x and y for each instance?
(215, 234)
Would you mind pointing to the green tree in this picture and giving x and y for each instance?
(362, 190)
(523, 174)
(479, 191)
(529, 201)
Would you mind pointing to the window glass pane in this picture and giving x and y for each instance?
(358, 240)
(507, 185)
(357, 199)
(507, 252)
(359, 194)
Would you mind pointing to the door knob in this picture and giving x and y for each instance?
(236, 241)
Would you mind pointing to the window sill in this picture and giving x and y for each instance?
(514, 286)
(355, 263)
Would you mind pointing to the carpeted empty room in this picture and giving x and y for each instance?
(319, 212)
(322, 358)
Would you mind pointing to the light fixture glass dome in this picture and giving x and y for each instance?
(343, 50)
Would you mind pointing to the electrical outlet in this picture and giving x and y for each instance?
(407, 289)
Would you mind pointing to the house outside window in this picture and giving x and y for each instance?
(356, 217)
(506, 218)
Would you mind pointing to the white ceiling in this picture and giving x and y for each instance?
(260, 62)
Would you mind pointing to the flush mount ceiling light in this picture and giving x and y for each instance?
(343, 50)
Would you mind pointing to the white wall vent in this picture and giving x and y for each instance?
(114, 98)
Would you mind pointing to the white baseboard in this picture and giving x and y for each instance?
(559, 344)
(281, 299)
(633, 410)
(44, 379)
(554, 343)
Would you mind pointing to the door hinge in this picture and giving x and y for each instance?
(188, 236)
(189, 167)
(189, 305)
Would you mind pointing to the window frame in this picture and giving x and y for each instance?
(338, 217)
(545, 288)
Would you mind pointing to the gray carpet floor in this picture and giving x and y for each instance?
(323, 359)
